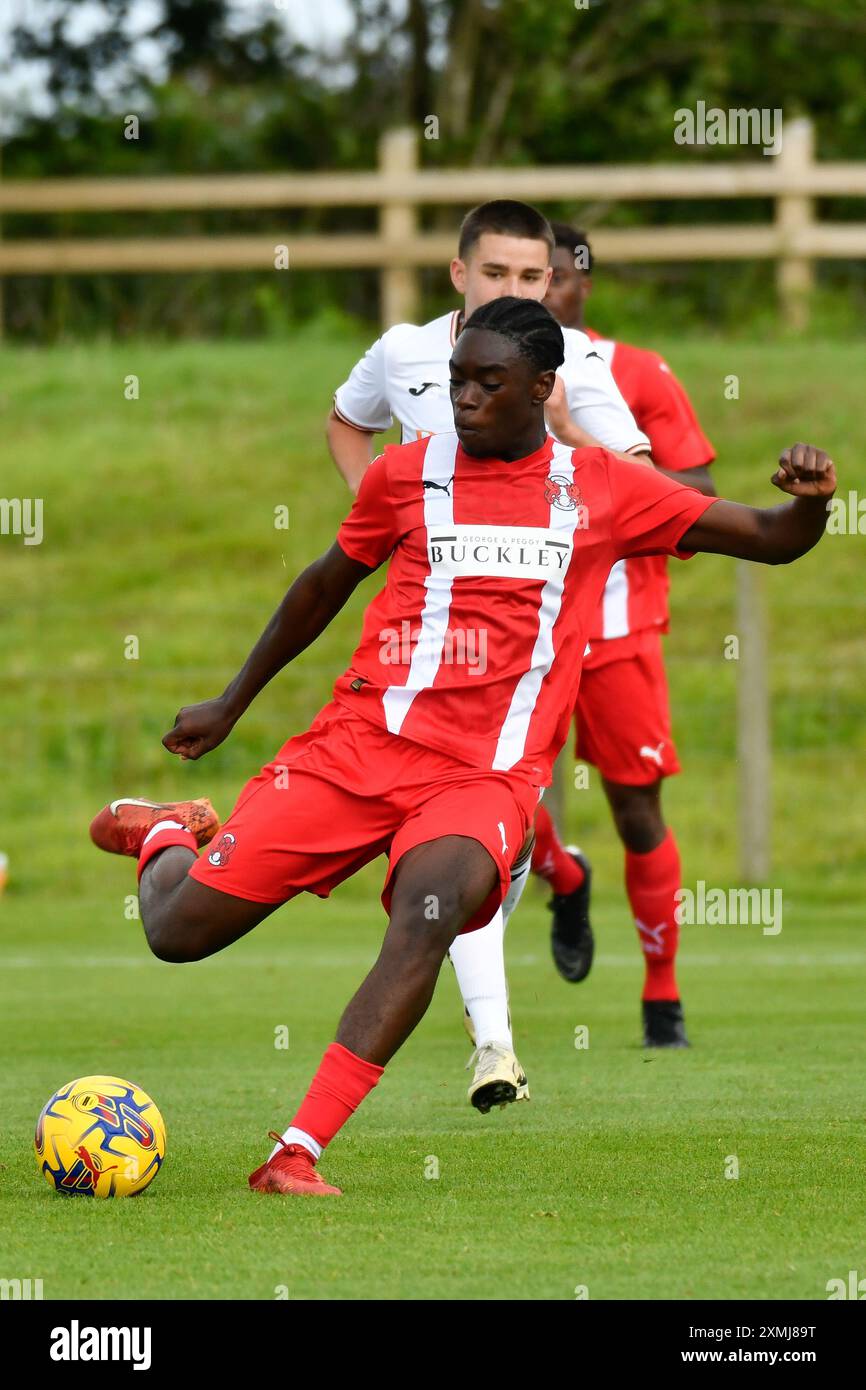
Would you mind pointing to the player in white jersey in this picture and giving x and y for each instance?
(505, 248)
(404, 376)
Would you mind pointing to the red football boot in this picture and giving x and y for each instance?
(293, 1169)
(121, 826)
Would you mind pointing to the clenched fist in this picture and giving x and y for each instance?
(199, 728)
(805, 471)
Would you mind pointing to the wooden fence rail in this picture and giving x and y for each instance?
(794, 239)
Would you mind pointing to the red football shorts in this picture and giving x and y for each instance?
(347, 791)
(623, 713)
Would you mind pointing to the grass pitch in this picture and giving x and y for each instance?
(159, 526)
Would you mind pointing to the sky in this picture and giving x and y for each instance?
(314, 22)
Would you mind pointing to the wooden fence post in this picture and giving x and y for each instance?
(398, 223)
(753, 724)
(795, 278)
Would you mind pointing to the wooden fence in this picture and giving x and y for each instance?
(793, 240)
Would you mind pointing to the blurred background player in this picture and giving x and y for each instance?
(623, 713)
(504, 248)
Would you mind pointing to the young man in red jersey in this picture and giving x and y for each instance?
(431, 762)
(504, 247)
(623, 712)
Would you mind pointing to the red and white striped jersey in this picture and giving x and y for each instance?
(636, 596)
(475, 644)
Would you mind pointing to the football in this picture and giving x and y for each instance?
(100, 1136)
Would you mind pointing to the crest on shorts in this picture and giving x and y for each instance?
(222, 850)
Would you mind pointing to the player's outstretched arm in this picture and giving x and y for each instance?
(772, 535)
(314, 599)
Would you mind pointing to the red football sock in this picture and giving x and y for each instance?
(155, 844)
(336, 1091)
(652, 881)
(550, 861)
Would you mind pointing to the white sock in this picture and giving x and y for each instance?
(161, 825)
(519, 880)
(478, 958)
(300, 1136)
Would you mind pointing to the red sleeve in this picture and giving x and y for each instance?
(650, 513)
(663, 411)
(371, 530)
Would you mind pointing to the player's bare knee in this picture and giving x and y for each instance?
(170, 938)
(419, 927)
(165, 947)
(439, 887)
(423, 924)
(425, 927)
(639, 822)
(160, 942)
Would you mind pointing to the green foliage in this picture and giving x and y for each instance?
(520, 84)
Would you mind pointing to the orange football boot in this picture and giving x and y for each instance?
(120, 827)
(293, 1169)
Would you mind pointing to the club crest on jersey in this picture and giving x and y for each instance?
(222, 851)
(566, 496)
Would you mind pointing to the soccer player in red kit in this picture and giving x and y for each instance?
(420, 756)
(623, 712)
(504, 247)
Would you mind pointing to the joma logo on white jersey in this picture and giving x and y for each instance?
(533, 552)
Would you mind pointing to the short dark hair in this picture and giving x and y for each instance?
(507, 218)
(528, 325)
(573, 240)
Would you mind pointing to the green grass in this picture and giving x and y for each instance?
(159, 524)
